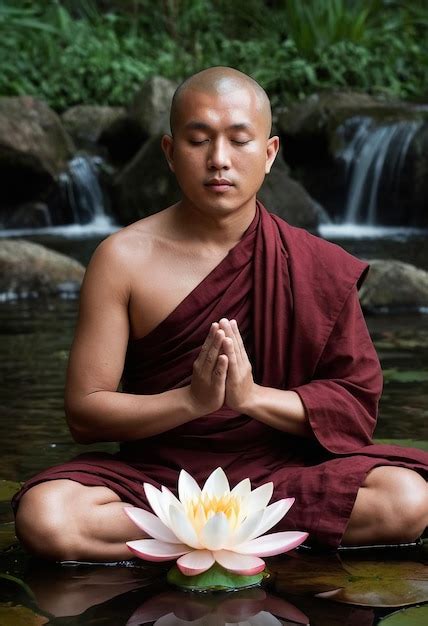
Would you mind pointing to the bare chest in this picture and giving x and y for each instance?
(161, 283)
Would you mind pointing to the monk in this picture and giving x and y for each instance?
(240, 343)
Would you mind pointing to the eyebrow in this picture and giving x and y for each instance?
(194, 125)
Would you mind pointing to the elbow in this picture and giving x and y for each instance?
(78, 426)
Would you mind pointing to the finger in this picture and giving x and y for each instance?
(229, 350)
(208, 342)
(219, 372)
(238, 338)
(228, 330)
(213, 351)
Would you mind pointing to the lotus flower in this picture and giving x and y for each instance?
(211, 525)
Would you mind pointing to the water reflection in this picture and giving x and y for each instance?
(134, 596)
(254, 607)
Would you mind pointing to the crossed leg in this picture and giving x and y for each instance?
(391, 507)
(64, 520)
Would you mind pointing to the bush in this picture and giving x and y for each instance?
(99, 52)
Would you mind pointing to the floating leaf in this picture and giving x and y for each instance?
(416, 616)
(405, 376)
(8, 489)
(18, 615)
(214, 579)
(377, 579)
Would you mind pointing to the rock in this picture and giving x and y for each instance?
(34, 148)
(394, 285)
(87, 123)
(29, 215)
(287, 198)
(150, 106)
(29, 269)
(323, 112)
(323, 139)
(145, 186)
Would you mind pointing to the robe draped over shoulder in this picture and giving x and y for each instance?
(295, 299)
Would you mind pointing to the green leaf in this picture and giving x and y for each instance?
(7, 489)
(378, 578)
(214, 579)
(416, 616)
(20, 616)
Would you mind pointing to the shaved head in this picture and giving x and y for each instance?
(221, 81)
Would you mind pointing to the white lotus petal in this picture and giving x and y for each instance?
(154, 550)
(171, 620)
(216, 532)
(216, 484)
(242, 489)
(171, 498)
(269, 545)
(244, 564)
(151, 525)
(247, 529)
(195, 562)
(271, 516)
(155, 498)
(260, 497)
(183, 528)
(188, 488)
(263, 619)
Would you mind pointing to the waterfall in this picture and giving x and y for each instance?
(77, 206)
(374, 157)
(81, 192)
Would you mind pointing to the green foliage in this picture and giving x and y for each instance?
(90, 51)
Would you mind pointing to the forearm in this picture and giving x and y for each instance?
(116, 416)
(280, 409)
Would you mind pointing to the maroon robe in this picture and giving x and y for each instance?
(295, 299)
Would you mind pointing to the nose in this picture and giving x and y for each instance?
(218, 157)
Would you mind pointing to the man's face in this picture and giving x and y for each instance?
(220, 151)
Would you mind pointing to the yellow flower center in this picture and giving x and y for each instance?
(199, 510)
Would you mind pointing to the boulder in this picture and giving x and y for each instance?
(151, 104)
(28, 270)
(287, 198)
(145, 186)
(87, 123)
(394, 285)
(28, 215)
(34, 148)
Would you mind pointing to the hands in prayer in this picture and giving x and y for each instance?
(222, 372)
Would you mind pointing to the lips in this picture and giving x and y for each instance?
(219, 184)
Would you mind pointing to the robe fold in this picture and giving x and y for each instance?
(295, 298)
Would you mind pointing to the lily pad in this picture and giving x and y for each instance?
(376, 580)
(17, 615)
(7, 489)
(415, 616)
(405, 376)
(215, 579)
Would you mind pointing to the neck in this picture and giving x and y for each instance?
(221, 228)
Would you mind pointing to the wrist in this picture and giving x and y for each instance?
(252, 401)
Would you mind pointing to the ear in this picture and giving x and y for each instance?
(167, 144)
(271, 152)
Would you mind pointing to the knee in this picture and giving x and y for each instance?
(406, 505)
(42, 524)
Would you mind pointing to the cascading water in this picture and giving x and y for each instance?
(374, 159)
(78, 205)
